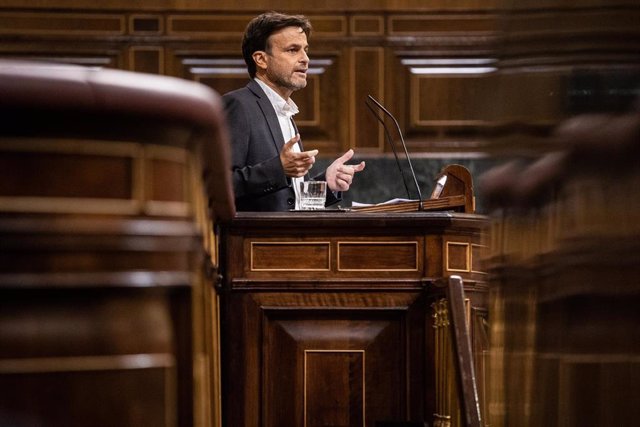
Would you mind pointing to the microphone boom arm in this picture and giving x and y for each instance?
(393, 146)
(413, 174)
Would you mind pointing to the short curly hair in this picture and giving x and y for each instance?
(256, 35)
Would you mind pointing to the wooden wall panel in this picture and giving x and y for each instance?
(147, 59)
(259, 5)
(413, 25)
(367, 25)
(350, 59)
(68, 24)
(367, 69)
(146, 24)
(207, 25)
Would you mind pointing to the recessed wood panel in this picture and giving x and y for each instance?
(146, 24)
(308, 101)
(321, 119)
(457, 256)
(207, 24)
(367, 25)
(328, 25)
(61, 23)
(290, 256)
(449, 99)
(40, 174)
(367, 78)
(334, 388)
(378, 256)
(167, 177)
(334, 366)
(412, 24)
(147, 59)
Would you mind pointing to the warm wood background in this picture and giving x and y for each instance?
(431, 63)
(426, 62)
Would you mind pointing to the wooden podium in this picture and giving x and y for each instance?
(338, 318)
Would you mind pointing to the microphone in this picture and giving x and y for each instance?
(393, 146)
(413, 174)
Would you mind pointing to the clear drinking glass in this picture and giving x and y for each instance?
(312, 195)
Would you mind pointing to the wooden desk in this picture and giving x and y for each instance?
(337, 318)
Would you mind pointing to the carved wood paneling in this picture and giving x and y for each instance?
(457, 257)
(147, 59)
(276, 256)
(322, 338)
(207, 25)
(445, 106)
(143, 24)
(332, 363)
(337, 373)
(349, 60)
(383, 256)
(367, 68)
(68, 24)
(367, 25)
(319, 119)
(435, 24)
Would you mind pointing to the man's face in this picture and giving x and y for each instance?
(286, 62)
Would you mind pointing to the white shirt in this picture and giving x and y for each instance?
(285, 110)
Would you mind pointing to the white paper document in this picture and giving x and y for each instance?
(388, 202)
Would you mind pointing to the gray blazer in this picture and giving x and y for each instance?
(259, 181)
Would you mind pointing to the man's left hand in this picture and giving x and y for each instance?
(340, 175)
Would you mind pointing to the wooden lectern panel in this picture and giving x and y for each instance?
(329, 317)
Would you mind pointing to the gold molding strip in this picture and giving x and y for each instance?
(364, 376)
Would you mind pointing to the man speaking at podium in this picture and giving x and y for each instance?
(268, 161)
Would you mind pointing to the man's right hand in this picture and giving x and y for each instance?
(296, 164)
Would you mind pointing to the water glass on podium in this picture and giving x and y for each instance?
(312, 195)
